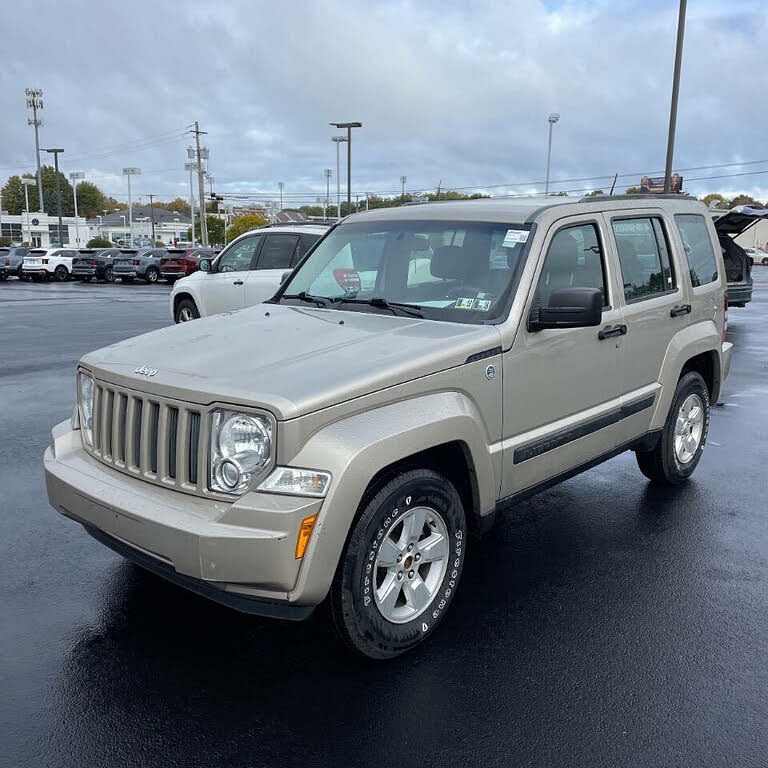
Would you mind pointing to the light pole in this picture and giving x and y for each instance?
(338, 140)
(27, 184)
(56, 153)
(191, 167)
(123, 218)
(328, 173)
(403, 179)
(35, 102)
(130, 172)
(281, 187)
(552, 119)
(675, 94)
(75, 175)
(349, 127)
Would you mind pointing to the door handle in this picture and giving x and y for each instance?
(680, 309)
(609, 333)
(238, 282)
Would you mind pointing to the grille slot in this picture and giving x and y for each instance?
(154, 437)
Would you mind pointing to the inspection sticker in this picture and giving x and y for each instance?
(464, 303)
(515, 236)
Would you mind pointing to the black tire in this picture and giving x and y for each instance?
(356, 616)
(3, 275)
(109, 276)
(182, 308)
(152, 275)
(662, 464)
(61, 274)
(765, 261)
(20, 273)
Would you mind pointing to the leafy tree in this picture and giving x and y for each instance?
(50, 204)
(719, 200)
(5, 242)
(12, 196)
(160, 243)
(595, 193)
(98, 242)
(178, 204)
(91, 201)
(243, 224)
(558, 194)
(744, 200)
(215, 227)
(634, 191)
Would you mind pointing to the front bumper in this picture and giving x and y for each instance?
(241, 554)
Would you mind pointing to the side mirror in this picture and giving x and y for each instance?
(284, 277)
(569, 308)
(205, 265)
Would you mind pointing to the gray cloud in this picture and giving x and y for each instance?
(452, 91)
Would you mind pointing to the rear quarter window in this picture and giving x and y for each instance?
(698, 248)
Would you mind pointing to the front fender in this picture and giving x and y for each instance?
(354, 449)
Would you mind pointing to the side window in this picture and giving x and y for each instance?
(644, 257)
(698, 248)
(574, 259)
(305, 243)
(277, 252)
(238, 258)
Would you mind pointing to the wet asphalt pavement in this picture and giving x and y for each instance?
(602, 623)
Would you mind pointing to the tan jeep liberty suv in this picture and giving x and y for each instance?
(421, 369)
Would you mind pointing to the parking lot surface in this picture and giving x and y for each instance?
(605, 622)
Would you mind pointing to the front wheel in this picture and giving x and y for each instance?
(401, 565)
(109, 276)
(682, 439)
(765, 261)
(186, 311)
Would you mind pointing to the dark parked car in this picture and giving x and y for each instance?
(738, 265)
(11, 260)
(181, 262)
(144, 263)
(94, 262)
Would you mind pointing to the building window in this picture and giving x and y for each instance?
(9, 229)
(53, 236)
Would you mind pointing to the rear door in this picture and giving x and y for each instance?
(273, 261)
(224, 289)
(656, 306)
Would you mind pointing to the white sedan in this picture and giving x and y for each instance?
(248, 271)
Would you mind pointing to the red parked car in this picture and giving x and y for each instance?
(181, 262)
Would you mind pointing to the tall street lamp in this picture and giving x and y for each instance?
(191, 167)
(281, 187)
(327, 172)
(130, 172)
(338, 140)
(56, 153)
(552, 119)
(675, 94)
(349, 127)
(74, 176)
(27, 184)
(403, 179)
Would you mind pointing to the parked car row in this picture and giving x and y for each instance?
(108, 264)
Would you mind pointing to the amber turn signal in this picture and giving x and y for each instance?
(305, 531)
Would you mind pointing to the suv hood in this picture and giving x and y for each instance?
(289, 360)
(739, 219)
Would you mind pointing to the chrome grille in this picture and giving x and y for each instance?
(151, 437)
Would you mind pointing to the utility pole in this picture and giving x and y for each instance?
(281, 187)
(552, 118)
(191, 167)
(403, 179)
(328, 173)
(201, 184)
(56, 153)
(75, 175)
(35, 102)
(130, 172)
(675, 94)
(338, 140)
(152, 217)
(27, 184)
(349, 127)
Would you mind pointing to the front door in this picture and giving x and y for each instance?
(562, 387)
(274, 260)
(224, 289)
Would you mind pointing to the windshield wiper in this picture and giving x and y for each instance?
(396, 307)
(320, 301)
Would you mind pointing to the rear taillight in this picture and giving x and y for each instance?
(135, 262)
(725, 314)
(348, 279)
(7, 262)
(45, 261)
(94, 263)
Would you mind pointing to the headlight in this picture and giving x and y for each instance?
(297, 482)
(85, 390)
(241, 445)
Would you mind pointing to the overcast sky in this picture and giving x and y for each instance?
(447, 91)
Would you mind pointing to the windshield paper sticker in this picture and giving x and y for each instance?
(483, 305)
(464, 303)
(515, 236)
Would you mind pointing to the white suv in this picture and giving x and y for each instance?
(42, 264)
(248, 271)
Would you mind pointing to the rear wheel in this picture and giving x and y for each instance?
(109, 276)
(20, 273)
(3, 275)
(60, 273)
(186, 310)
(401, 565)
(682, 440)
(765, 261)
(152, 274)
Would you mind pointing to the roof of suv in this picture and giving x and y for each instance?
(523, 209)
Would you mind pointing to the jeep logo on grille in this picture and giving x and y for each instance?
(144, 371)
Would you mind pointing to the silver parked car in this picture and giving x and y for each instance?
(12, 261)
(143, 263)
(343, 439)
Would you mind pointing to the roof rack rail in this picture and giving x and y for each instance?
(640, 196)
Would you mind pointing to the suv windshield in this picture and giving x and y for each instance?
(441, 270)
